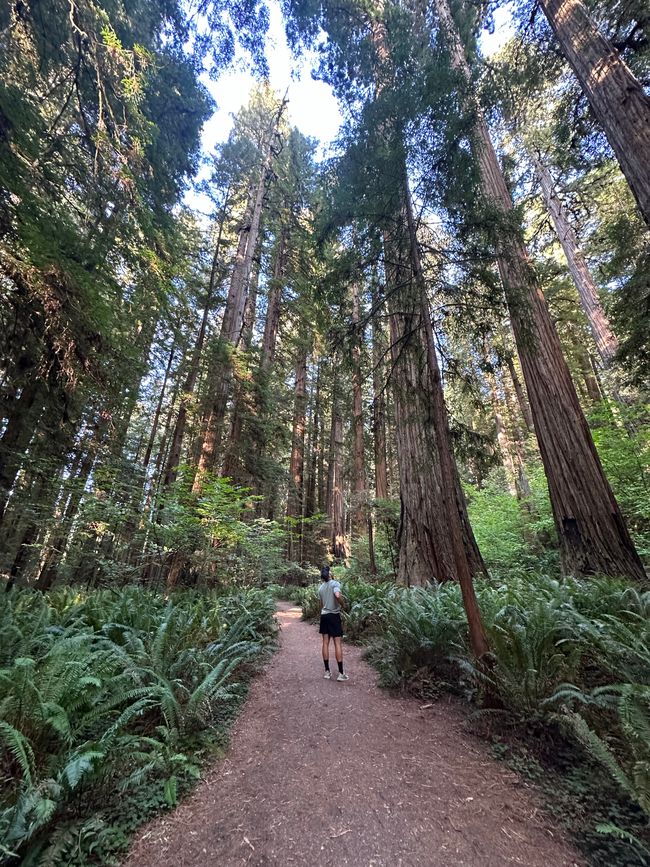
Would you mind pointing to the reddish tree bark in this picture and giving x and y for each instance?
(591, 530)
(617, 98)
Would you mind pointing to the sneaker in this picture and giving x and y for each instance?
(343, 677)
(327, 675)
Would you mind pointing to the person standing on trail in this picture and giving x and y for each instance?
(330, 621)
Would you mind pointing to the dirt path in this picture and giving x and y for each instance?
(327, 773)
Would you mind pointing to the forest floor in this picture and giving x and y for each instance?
(322, 773)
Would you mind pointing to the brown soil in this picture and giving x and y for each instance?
(327, 773)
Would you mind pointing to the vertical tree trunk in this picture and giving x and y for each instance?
(296, 467)
(319, 436)
(274, 302)
(232, 323)
(174, 454)
(338, 540)
(379, 408)
(524, 492)
(522, 400)
(502, 436)
(435, 540)
(591, 530)
(156, 417)
(359, 492)
(616, 97)
(592, 387)
(312, 447)
(465, 559)
(233, 464)
(606, 341)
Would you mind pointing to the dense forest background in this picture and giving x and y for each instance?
(424, 358)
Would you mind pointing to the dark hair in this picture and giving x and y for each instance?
(325, 573)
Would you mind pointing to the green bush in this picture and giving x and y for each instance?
(574, 653)
(108, 698)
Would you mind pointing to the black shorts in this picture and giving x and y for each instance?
(330, 624)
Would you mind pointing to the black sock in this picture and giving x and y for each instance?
(327, 664)
(340, 665)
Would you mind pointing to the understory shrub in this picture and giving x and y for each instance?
(107, 701)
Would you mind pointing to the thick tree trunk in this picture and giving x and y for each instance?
(359, 492)
(616, 97)
(604, 337)
(263, 374)
(466, 550)
(591, 530)
(296, 467)
(435, 540)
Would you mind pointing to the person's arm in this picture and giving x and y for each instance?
(340, 598)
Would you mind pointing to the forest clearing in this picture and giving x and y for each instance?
(289, 284)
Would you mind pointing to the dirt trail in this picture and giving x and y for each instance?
(327, 773)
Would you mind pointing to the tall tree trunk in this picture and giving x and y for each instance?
(233, 460)
(524, 493)
(379, 407)
(465, 559)
(616, 97)
(156, 417)
(502, 436)
(336, 501)
(312, 447)
(232, 323)
(359, 492)
(591, 530)
(174, 454)
(274, 302)
(296, 467)
(604, 337)
(319, 435)
(522, 400)
(592, 387)
(267, 359)
(425, 543)
(435, 540)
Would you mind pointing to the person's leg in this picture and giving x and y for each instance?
(338, 652)
(326, 652)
